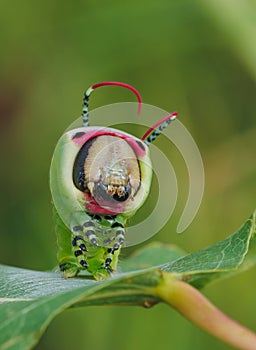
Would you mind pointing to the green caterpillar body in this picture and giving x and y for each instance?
(90, 218)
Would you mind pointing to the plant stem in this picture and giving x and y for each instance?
(199, 310)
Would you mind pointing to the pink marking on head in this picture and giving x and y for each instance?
(152, 128)
(139, 149)
(86, 136)
(101, 208)
(127, 86)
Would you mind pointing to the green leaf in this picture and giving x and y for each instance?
(219, 260)
(153, 254)
(29, 300)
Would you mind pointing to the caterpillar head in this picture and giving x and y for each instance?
(102, 171)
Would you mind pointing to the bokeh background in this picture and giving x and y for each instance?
(197, 57)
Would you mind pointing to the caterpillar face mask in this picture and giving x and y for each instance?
(99, 178)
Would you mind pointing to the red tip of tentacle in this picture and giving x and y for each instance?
(127, 86)
(152, 128)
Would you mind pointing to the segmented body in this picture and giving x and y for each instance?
(76, 252)
(96, 177)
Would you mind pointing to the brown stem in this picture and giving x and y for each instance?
(199, 310)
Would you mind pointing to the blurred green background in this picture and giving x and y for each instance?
(197, 57)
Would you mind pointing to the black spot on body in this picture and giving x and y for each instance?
(89, 233)
(95, 217)
(78, 252)
(83, 263)
(78, 134)
(89, 224)
(94, 241)
(116, 224)
(63, 266)
(77, 228)
(116, 246)
(142, 146)
(108, 261)
(75, 239)
(108, 217)
(120, 232)
(83, 247)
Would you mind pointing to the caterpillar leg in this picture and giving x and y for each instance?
(69, 269)
(120, 232)
(111, 258)
(81, 237)
(86, 252)
(110, 253)
(79, 241)
(71, 266)
(89, 230)
(113, 252)
(68, 263)
(79, 250)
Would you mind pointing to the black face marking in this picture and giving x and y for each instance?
(125, 195)
(78, 134)
(100, 192)
(142, 146)
(78, 170)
